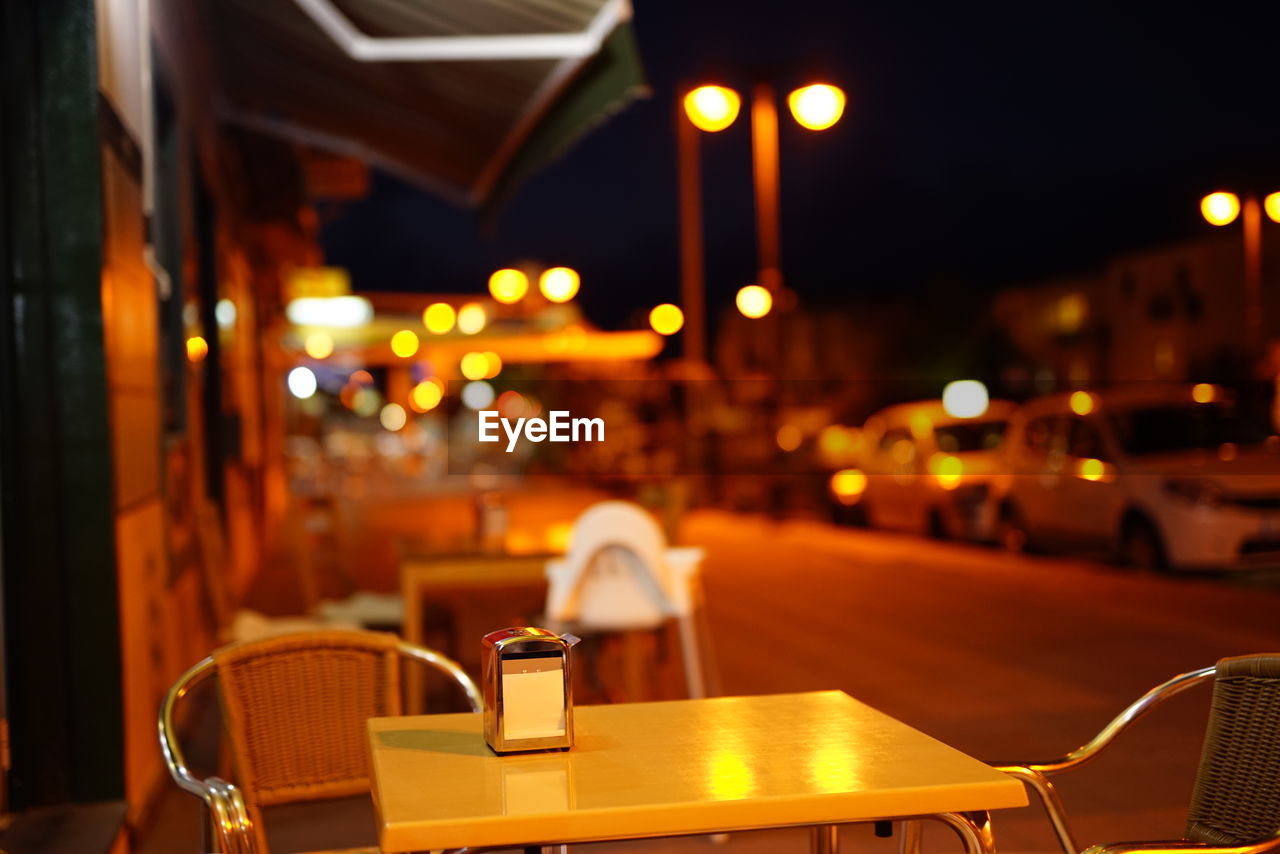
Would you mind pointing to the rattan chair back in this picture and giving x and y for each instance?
(295, 708)
(1237, 792)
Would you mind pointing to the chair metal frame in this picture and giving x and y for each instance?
(226, 824)
(1036, 775)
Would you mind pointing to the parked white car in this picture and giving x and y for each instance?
(928, 472)
(1159, 476)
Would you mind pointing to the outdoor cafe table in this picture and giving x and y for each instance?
(676, 768)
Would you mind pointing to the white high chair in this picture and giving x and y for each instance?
(619, 575)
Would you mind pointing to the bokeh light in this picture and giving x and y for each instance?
(754, 301)
(848, 485)
(393, 417)
(439, 318)
(474, 366)
(493, 363)
(1203, 393)
(559, 284)
(404, 343)
(426, 395)
(225, 313)
(477, 394)
(1220, 208)
(366, 401)
(948, 470)
(817, 107)
(666, 319)
(318, 345)
(1091, 469)
(301, 382)
(965, 398)
(508, 286)
(712, 108)
(1271, 204)
(197, 349)
(789, 437)
(1081, 402)
(472, 318)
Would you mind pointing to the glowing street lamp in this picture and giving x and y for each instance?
(1222, 208)
(818, 106)
(712, 108)
(559, 284)
(508, 286)
(1271, 204)
(666, 319)
(754, 301)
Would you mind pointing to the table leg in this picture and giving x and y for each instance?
(973, 828)
(910, 833)
(824, 839)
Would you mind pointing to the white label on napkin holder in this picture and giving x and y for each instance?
(533, 697)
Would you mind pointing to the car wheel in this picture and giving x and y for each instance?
(1141, 546)
(1011, 533)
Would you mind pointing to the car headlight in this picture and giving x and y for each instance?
(1203, 492)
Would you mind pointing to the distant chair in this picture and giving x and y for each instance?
(295, 707)
(362, 610)
(619, 575)
(1235, 807)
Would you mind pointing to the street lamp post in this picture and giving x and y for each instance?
(1222, 208)
(710, 109)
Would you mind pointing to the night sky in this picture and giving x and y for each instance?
(982, 146)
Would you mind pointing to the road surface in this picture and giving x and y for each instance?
(1002, 656)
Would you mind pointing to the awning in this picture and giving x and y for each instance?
(467, 129)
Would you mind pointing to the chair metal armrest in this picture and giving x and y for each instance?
(449, 667)
(1121, 722)
(1036, 774)
(227, 826)
(1266, 846)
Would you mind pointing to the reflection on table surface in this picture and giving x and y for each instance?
(689, 766)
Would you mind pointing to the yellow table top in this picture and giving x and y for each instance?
(669, 768)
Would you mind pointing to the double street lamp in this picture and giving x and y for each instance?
(1223, 208)
(713, 108)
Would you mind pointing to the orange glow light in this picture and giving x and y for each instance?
(493, 364)
(817, 107)
(197, 349)
(1220, 208)
(474, 366)
(754, 301)
(508, 286)
(426, 395)
(404, 343)
(1091, 469)
(712, 108)
(848, 485)
(439, 318)
(1081, 402)
(1271, 204)
(559, 284)
(947, 470)
(666, 319)
(472, 318)
(1203, 393)
(319, 345)
(789, 437)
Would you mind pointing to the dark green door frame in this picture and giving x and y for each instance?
(61, 615)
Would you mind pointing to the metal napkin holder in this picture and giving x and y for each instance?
(528, 693)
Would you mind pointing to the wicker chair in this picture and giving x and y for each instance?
(294, 707)
(1235, 807)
